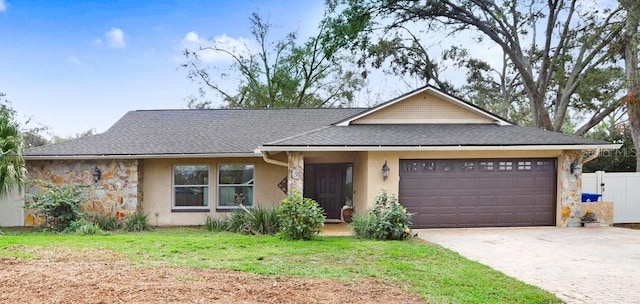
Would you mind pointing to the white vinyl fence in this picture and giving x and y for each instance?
(11, 210)
(621, 188)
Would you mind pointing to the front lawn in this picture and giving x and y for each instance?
(437, 274)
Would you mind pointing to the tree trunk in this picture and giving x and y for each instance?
(632, 99)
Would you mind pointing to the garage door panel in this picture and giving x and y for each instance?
(525, 182)
(488, 182)
(506, 182)
(448, 184)
(468, 219)
(480, 193)
(468, 183)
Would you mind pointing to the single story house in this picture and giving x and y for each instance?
(451, 163)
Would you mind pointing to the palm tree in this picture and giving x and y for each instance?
(12, 169)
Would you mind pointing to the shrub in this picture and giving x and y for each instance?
(136, 222)
(300, 218)
(216, 224)
(106, 222)
(387, 220)
(264, 220)
(60, 206)
(239, 222)
(83, 227)
(363, 225)
(258, 220)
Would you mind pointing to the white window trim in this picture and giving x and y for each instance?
(253, 185)
(173, 188)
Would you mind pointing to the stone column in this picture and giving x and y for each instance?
(295, 180)
(570, 190)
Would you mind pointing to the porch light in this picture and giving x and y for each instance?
(385, 171)
(575, 168)
(96, 174)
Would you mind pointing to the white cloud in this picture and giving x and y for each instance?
(3, 6)
(73, 60)
(97, 42)
(239, 46)
(115, 38)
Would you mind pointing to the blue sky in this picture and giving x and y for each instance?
(76, 65)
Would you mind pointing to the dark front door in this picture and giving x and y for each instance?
(325, 183)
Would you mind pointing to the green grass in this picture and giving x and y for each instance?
(437, 274)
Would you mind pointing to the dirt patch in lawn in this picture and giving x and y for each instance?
(60, 275)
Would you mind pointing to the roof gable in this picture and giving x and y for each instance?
(426, 105)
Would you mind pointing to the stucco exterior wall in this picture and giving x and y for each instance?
(12, 209)
(116, 191)
(361, 170)
(158, 188)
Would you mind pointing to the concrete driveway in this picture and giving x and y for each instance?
(579, 265)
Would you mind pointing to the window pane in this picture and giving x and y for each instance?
(191, 196)
(232, 196)
(236, 175)
(505, 166)
(348, 186)
(191, 175)
(486, 166)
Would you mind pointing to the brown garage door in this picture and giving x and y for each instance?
(479, 192)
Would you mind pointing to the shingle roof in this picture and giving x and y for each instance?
(219, 131)
(432, 135)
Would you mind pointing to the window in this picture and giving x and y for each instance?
(410, 166)
(190, 186)
(505, 166)
(524, 165)
(235, 185)
(486, 166)
(543, 165)
(428, 166)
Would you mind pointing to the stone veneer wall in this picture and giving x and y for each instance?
(570, 190)
(295, 182)
(116, 193)
(603, 210)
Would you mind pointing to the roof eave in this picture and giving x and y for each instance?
(345, 148)
(139, 156)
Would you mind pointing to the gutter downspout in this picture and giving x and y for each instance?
(266, 158)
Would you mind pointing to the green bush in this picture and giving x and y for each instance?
(264, 220)
(60, 206)
(83, 227)
(387, 220)
(216, 224)
(300, 218)
(258, 220)
(363, 225)
(105, 222)
(136, 222)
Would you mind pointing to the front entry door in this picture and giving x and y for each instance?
(325, 183)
